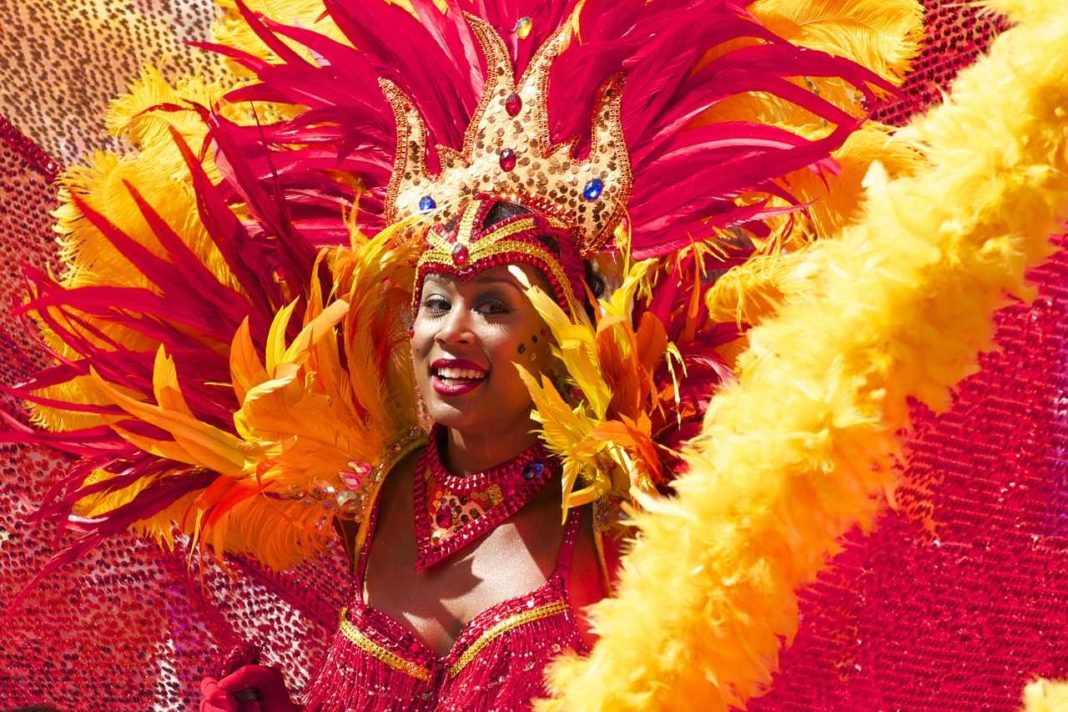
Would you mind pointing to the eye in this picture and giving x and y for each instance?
(435, 304)
(493, 306)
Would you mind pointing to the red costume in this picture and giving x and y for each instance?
(148, 379)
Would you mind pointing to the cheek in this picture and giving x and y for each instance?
(542, 344)
(422, 339)
(525, 346)
(537, 340)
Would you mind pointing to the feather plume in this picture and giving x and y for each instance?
(147, 351)
(882, 35)
(1045, 696)
(611, 427)
(802, 448)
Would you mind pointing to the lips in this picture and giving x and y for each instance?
(456, 376)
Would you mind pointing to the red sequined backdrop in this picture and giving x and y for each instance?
(954, 603)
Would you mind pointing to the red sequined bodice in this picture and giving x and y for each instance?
(497, 662)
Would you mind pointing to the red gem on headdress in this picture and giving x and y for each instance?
(513, 104)
(460, 255)
(507, 159)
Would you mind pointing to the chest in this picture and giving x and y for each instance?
(514, 559)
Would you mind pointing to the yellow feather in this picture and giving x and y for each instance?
(802, 448)
(165, 384)
(246, 369)
(751, 292)
(1046, 696)
(160, 175)
(576, 347)
(882, 35)
(195, 443)
(321, 325)
(276, 345)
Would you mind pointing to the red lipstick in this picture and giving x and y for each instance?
(455, 376)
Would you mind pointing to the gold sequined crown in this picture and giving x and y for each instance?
(508, 152)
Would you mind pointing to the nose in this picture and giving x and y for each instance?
(456, 326)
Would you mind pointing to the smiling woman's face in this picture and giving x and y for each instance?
(466, 339)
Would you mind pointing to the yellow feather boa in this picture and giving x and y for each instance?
(1046, 696)
(801, 449)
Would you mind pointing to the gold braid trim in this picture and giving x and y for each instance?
(376, 651)
(549, 609)
(510, 229)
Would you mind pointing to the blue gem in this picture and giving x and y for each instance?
(593, 189)
(426, 203)
(533, 471)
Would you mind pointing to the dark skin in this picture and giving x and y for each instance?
(483, 320)
(514, 559)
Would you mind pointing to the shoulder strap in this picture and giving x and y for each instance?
(364, 545)
(567, 544)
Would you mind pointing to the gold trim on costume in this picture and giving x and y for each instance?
(376, 651)
(439, 251)
(549, 609)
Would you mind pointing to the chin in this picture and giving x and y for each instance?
(467, 416)
(450, 417)
(485, 415)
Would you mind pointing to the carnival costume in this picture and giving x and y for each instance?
(230, 366)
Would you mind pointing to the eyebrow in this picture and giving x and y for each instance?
(492, 280)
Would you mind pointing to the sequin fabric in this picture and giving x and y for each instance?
(62, 62)
(496, 662)
(955, 601)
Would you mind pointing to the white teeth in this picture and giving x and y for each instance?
(459, 373)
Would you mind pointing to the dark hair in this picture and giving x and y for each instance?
(594, 280)
(503, 210)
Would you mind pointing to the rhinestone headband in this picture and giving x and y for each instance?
(466, 245)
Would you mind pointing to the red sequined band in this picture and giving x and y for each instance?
(29, 150)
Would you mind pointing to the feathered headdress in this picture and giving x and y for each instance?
(228, 357)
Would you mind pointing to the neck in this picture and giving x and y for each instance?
(466, 453)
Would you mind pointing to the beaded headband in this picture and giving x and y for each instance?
(508, 153)
(467, 245)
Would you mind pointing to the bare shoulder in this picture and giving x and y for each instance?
(396, 482)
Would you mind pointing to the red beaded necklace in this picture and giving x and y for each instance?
(452, 512)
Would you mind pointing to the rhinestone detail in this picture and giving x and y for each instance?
(522, 27)
(507, 159)
(593, 189)
(513, 104)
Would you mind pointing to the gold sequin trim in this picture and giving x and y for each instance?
(522, 248)
(440, 252)
(376, 651)
(467, 222)
(512, 229)
(550, 609)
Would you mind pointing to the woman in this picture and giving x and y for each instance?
(463, 610)
(474, 628)
(258, 387)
